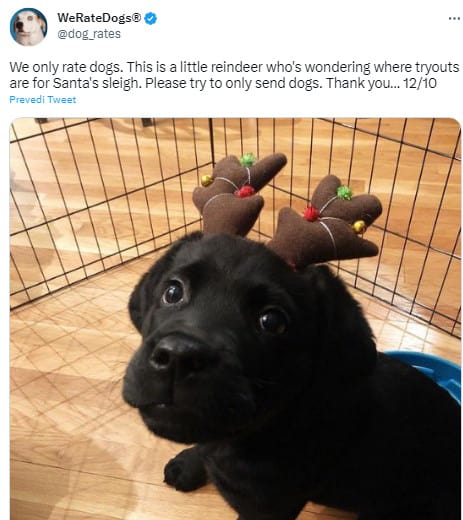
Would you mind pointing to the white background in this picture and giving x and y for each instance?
(305, 31)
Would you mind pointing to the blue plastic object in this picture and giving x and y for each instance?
(443, 372)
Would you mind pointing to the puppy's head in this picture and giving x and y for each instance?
(231, 336)
(29, 23)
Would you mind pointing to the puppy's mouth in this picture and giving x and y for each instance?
(158, 410)
(162, 419)
(185, 391)
(162, 410)
(191, 426)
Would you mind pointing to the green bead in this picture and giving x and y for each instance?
(344, 192)
(248, 160)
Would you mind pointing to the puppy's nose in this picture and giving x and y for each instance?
(19, 25)
(181, 355)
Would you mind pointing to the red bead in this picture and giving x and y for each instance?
(311, 214)
(245, 191)
(292, 265)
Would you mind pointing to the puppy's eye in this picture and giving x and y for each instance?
(273, 321)
(174, 293)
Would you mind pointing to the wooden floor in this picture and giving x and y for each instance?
(77, 451)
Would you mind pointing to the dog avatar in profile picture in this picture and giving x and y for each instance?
(28, 27)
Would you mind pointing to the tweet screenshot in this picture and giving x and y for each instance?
(234, 260)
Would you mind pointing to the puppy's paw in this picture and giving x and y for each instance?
(186, 471)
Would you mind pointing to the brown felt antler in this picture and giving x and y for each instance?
(331, 228)
(227, 200)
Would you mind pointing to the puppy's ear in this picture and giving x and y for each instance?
(42, 23)
(141, 297)
(345, 339)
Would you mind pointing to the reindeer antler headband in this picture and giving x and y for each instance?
(331, 228)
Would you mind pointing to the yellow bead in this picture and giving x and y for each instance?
(359, 227)
(206, 180)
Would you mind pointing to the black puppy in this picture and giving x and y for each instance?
(274, 375)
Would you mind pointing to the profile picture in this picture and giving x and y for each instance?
(28, 26)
